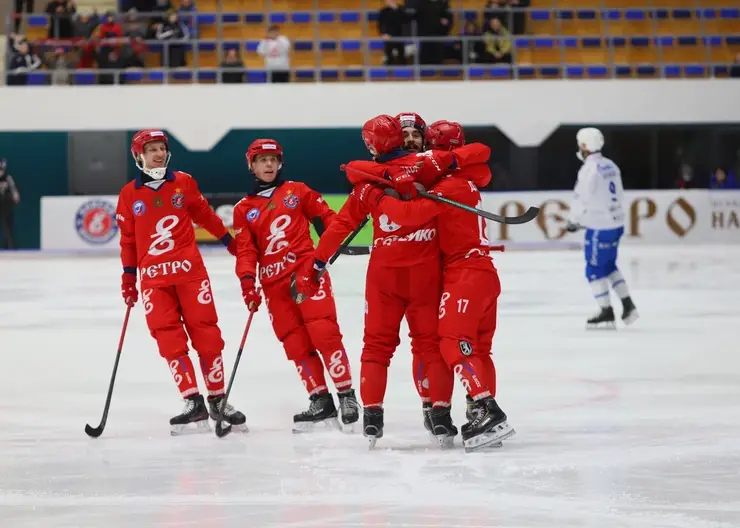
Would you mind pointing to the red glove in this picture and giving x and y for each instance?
(128, 288)
(304, 283)
(232, 246)
(250, 294)
(403, 183)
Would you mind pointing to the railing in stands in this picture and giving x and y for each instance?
(630, 42)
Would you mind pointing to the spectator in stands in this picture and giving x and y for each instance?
(9, 198)
(470, 49)
(19, 11)
(275, 48)
(233, 67)
(132, 53)
(391, 21)
(15, 40)
(60, 65)
(721, 179)
(134, 26)
(519, 17)
(434, 19)
(187, 14)
(497, 9)
(175, 33)
(735, 69)
(61, 13)
(21, 62)
(497, 44)
(84, 24)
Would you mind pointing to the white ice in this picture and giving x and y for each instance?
(634, 428)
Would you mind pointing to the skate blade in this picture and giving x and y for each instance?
(631, 318)
(445, 441)
(611, 325)
(486, 440)
(200, 427)
(372, 440)
(240, 428)
(330, 424)
(350, 428)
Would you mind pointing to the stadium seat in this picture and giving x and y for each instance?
(635, 50)
(676, 22)
(588, 50)
(542, 22)
(630, 22)
(545, 51)
(681, 49)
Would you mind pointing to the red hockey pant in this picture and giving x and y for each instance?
(175, 312)
(307, 327)
(391, 294)
(467, 322)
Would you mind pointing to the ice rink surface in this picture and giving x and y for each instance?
(634, 428)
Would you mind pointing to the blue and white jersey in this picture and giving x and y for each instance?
(599, 195)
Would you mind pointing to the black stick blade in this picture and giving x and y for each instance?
(528, 216)
(222, 431)
(93, 432)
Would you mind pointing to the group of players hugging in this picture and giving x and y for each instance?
(429, 263)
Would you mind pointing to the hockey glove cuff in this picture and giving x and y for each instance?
(128, 288)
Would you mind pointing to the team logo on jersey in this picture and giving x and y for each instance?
(95, 221)
(139, 208)
(178, 200)
(291, 201)
(253, 215)
(158, 201)
(466, 348)
(386, 225)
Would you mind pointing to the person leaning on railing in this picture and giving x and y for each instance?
(22, 61)
(497, 44)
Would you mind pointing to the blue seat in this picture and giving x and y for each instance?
(376, 45)
(451, 72)
(566, 15)
(230, 18)
(256, 76)
(586, 14)
(721, 71)
(326, 17)
(329, 75)
(540, 14)
(182, 75)
(254, 18)
(37, 20)
(597, 70)
(635, 14)
(522, 43)
(549, 71)
(611, 14)
(470, 15)
(729, 13)
(623, 70)
(671, 70)
(540, 42)
(155, 75)
(695, 70)
(277, 18)
(378, 73)
(305, 74)
(207, 75)
(665, 41)
(574, 72)
(640, 41)
(591, 42)
(233, 44)
(328, 45)
(132, 76)
(303, 45)
(733, 40)
(349, 17)
(570, 42)
(251, 45)
(618, 42)
(403, 73)
(205, 19)
(660, 14)
(712, 40)
(206, 46)
(425, 73)
(681, 14)
(300, 17)
(526, 71)
(354, 73)
(646, 69)
(500, 71)
(85, 78)
(475, 72)
(350, 45)
(373, 16)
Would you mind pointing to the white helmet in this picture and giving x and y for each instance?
(590, 139)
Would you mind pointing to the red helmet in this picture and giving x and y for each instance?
(410, 119)
(149, 135)
(264, 146)
(383, 134)
(138, 143)
(445, 135)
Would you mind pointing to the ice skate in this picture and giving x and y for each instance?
(231, 416)
(442, 428)
(473, 409)
(349, 409)
(629, 311)
(321, 414)
(426, 411)
(602, 320)
(194, 418)
(488, 429)
(373, 424)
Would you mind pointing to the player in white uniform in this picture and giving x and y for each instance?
(597, 207)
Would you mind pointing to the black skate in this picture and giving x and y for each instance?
(426, 411)
(349, 409)
(194, 417)
(231, 416)
(373, 424)
(629, 312)
(321, 413)
(471, 408)
(603, 320)
(442, 428)
(488, 429)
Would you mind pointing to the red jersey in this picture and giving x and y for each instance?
(396, 245)
(462, 235)
(156, 224)
(272, 230)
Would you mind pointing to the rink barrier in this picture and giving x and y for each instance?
(87, 223)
